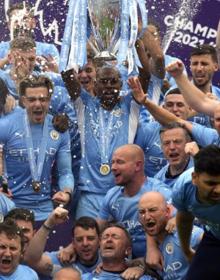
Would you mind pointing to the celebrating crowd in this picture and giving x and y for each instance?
(97, 179)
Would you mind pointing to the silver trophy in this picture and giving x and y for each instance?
(114, 30)
(104, 18)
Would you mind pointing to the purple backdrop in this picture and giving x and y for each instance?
(198, 21)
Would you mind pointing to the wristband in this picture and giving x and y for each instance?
(136, 100)
(46, 227)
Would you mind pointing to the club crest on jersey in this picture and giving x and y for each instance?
(54, 135)
(169, 248)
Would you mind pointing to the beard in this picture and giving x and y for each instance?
(110, 98)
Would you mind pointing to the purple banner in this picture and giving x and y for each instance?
(184, 24)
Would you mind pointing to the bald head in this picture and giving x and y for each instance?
(154, 213)
(153, 197)
(128, 166)
(108, 69)
(67, 273)
(132, 151)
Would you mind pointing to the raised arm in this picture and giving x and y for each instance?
(152, 46)
(71, 83)
(144, 58)
(144, 71)
(193, 96)
(34, 255)
(159, 113)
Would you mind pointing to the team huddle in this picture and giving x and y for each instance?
(97, 179)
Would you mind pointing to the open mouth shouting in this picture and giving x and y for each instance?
(150, 227)
(6, 265)
(174, 157)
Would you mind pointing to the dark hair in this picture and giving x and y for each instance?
(20, 6)
(86, 223)
(207, 160)
(122, 227)
(171, 91)
(22, 43)
(173, 125)
(21, 214)
(3, 94)
(205, 49)
(34, 81)
(11, 230)
(153, 22)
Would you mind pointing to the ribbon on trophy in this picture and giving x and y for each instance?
(144, 19)
(73, 51)
(64, 54)
(129, 22)
(133, 34)
(36, 165)
(124, 38)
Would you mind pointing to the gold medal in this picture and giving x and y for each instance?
(36, 185)
(105, 169)
(54, 135)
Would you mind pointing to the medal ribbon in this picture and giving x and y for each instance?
(105, 135)
(36, 166)
(144, 17)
